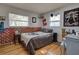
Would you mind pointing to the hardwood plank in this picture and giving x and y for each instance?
(18, 49)
(53, 49)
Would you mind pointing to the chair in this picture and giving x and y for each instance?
(7, 36)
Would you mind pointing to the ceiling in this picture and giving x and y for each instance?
(37, 7)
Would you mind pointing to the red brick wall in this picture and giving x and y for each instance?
(30, 29)
(27, 29)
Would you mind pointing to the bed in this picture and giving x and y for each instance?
(35, 40)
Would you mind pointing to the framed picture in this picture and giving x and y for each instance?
(71, 17)
(33, 19)
(2, 17)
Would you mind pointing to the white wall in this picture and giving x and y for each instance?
(4, 11)
(61, 12)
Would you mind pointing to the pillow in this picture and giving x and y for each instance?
(46, 30)
(43, 29)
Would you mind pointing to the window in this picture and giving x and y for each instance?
(17, 20)
(55, 21)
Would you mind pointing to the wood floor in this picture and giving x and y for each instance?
(17, 49)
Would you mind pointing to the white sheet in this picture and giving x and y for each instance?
(26, 37)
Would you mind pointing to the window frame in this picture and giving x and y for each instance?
(18, 20)
(50, 21)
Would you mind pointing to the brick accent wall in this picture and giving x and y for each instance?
(28, 29)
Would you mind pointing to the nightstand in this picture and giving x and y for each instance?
(17, 38)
